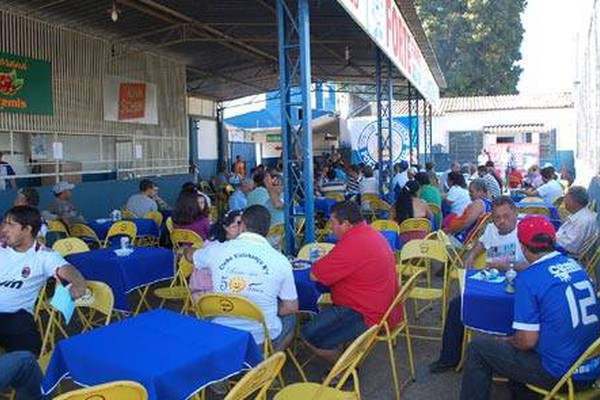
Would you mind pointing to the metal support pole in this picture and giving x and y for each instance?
(417, 101)
(295, 69)
(221, 139)
(380, 143)
(410, 123)
(390, 90)
(430, 132)
(425, 132)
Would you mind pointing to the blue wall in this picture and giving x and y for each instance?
(98, 199)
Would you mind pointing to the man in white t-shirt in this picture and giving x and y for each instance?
(501, 245)
(551, 189)
(24, 267)
(249, 266)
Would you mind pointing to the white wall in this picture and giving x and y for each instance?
(561, 119)
(207, 140)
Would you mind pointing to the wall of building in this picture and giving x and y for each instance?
(562, 119)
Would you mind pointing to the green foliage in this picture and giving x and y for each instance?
(476, 42)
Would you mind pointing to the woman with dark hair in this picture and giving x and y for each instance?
(409, 205)
(431, 194)
(191, 212)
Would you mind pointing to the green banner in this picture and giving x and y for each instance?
(273, 138)
(25, 85)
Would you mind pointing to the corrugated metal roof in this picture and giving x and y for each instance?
(229, 46)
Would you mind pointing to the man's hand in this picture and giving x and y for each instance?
(77, 290)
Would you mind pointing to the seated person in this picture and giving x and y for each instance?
(191, 213)
(353, 180)
(361, 273)
(555, 320)
(62, 207)
(239, 198)
(26, 265)
(409, 205)
(457, 197)
(20, 371)
(143, 202)
(550, 190)
(332, 184)
(580, 226)
(259, 195)
(400, 176)
(533, 178)
(274, 185)
(249, 266)
(369, 183)
(430, 193)
(491, 183)
(461, 226)
(500, 244)
(515, 178)
(30, 197)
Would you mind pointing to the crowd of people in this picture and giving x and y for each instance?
(556, 312)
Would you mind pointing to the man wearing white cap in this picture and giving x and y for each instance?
(62, 207)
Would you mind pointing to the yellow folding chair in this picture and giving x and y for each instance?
(169, 224)
(532, 199)
(121, 228)
(56, 225)
(592, 393)
(70, 246)
(374, 207)
(118, 390)
(537, 210)
(85, 233)
(324, 249)
(125, 213)
(477, 231)
(179, 289)
(258, 379)
(344, 368)
(151, 240)
(276, 236)
(423, 252)
(213, 305)
(385, 225)
(181, 238)
(337, 196)
(389, 334)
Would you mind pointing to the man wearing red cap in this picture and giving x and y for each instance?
(555, 320)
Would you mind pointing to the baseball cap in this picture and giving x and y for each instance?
(533, 225)
(62, 186)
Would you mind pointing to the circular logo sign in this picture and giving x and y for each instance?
(368, 144)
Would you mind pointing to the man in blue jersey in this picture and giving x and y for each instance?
(555, 320)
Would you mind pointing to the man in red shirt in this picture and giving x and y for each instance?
(361, 273)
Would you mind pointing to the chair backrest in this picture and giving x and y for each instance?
(532, 199)
(414, 228)
(212, 305)
(125, 213)
(538, 210)
(185, 238)
(478, 229)
(377, 205)
(385, 225)
(156, 216)
(70, 246)
(350, 359)
(121, 228)
(437, 214)
(258, 378)
(83, 231)
(369, 197)
(324, 249)
(118, 390)
(592, 352)
(424, 249)
(100, 298)
(276, 236)
(337, 196)
(169, 224)
(57, 226)
(451, 251)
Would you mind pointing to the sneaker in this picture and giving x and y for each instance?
(439, 367)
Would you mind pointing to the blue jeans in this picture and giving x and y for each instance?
(19, 370)
(288, 323)
(334, 327)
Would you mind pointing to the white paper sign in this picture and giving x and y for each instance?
(138, 151)
(57, 150)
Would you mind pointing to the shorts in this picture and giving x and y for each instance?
(333, 327)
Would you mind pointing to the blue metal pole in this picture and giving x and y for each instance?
(390, 89)
(307, 146)
(410, 123)
(380, 144)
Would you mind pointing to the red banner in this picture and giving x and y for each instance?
(132, 100)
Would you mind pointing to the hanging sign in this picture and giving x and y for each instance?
(25, 85)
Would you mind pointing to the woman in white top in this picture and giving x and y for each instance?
(457, 197)
(550, 190)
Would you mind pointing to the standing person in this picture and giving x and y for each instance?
(239, 167)
(6, 170)
(249, 266)
(361, 273)
(483, 157)
(510, 162)
(555, 320)
(62, 207)
(26, 265)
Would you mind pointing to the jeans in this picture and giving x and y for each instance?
(334, 327)
(19, 370)
(453, 334)
(288, 323)
(486, 357)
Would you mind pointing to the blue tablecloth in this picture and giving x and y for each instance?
(554, 215)
(124, 274)
(172, 355)
(486, 306)
(308, 290)
(145, 227)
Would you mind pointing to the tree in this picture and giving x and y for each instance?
(476, 42)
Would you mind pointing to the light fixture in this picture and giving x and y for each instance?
(114, 12)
